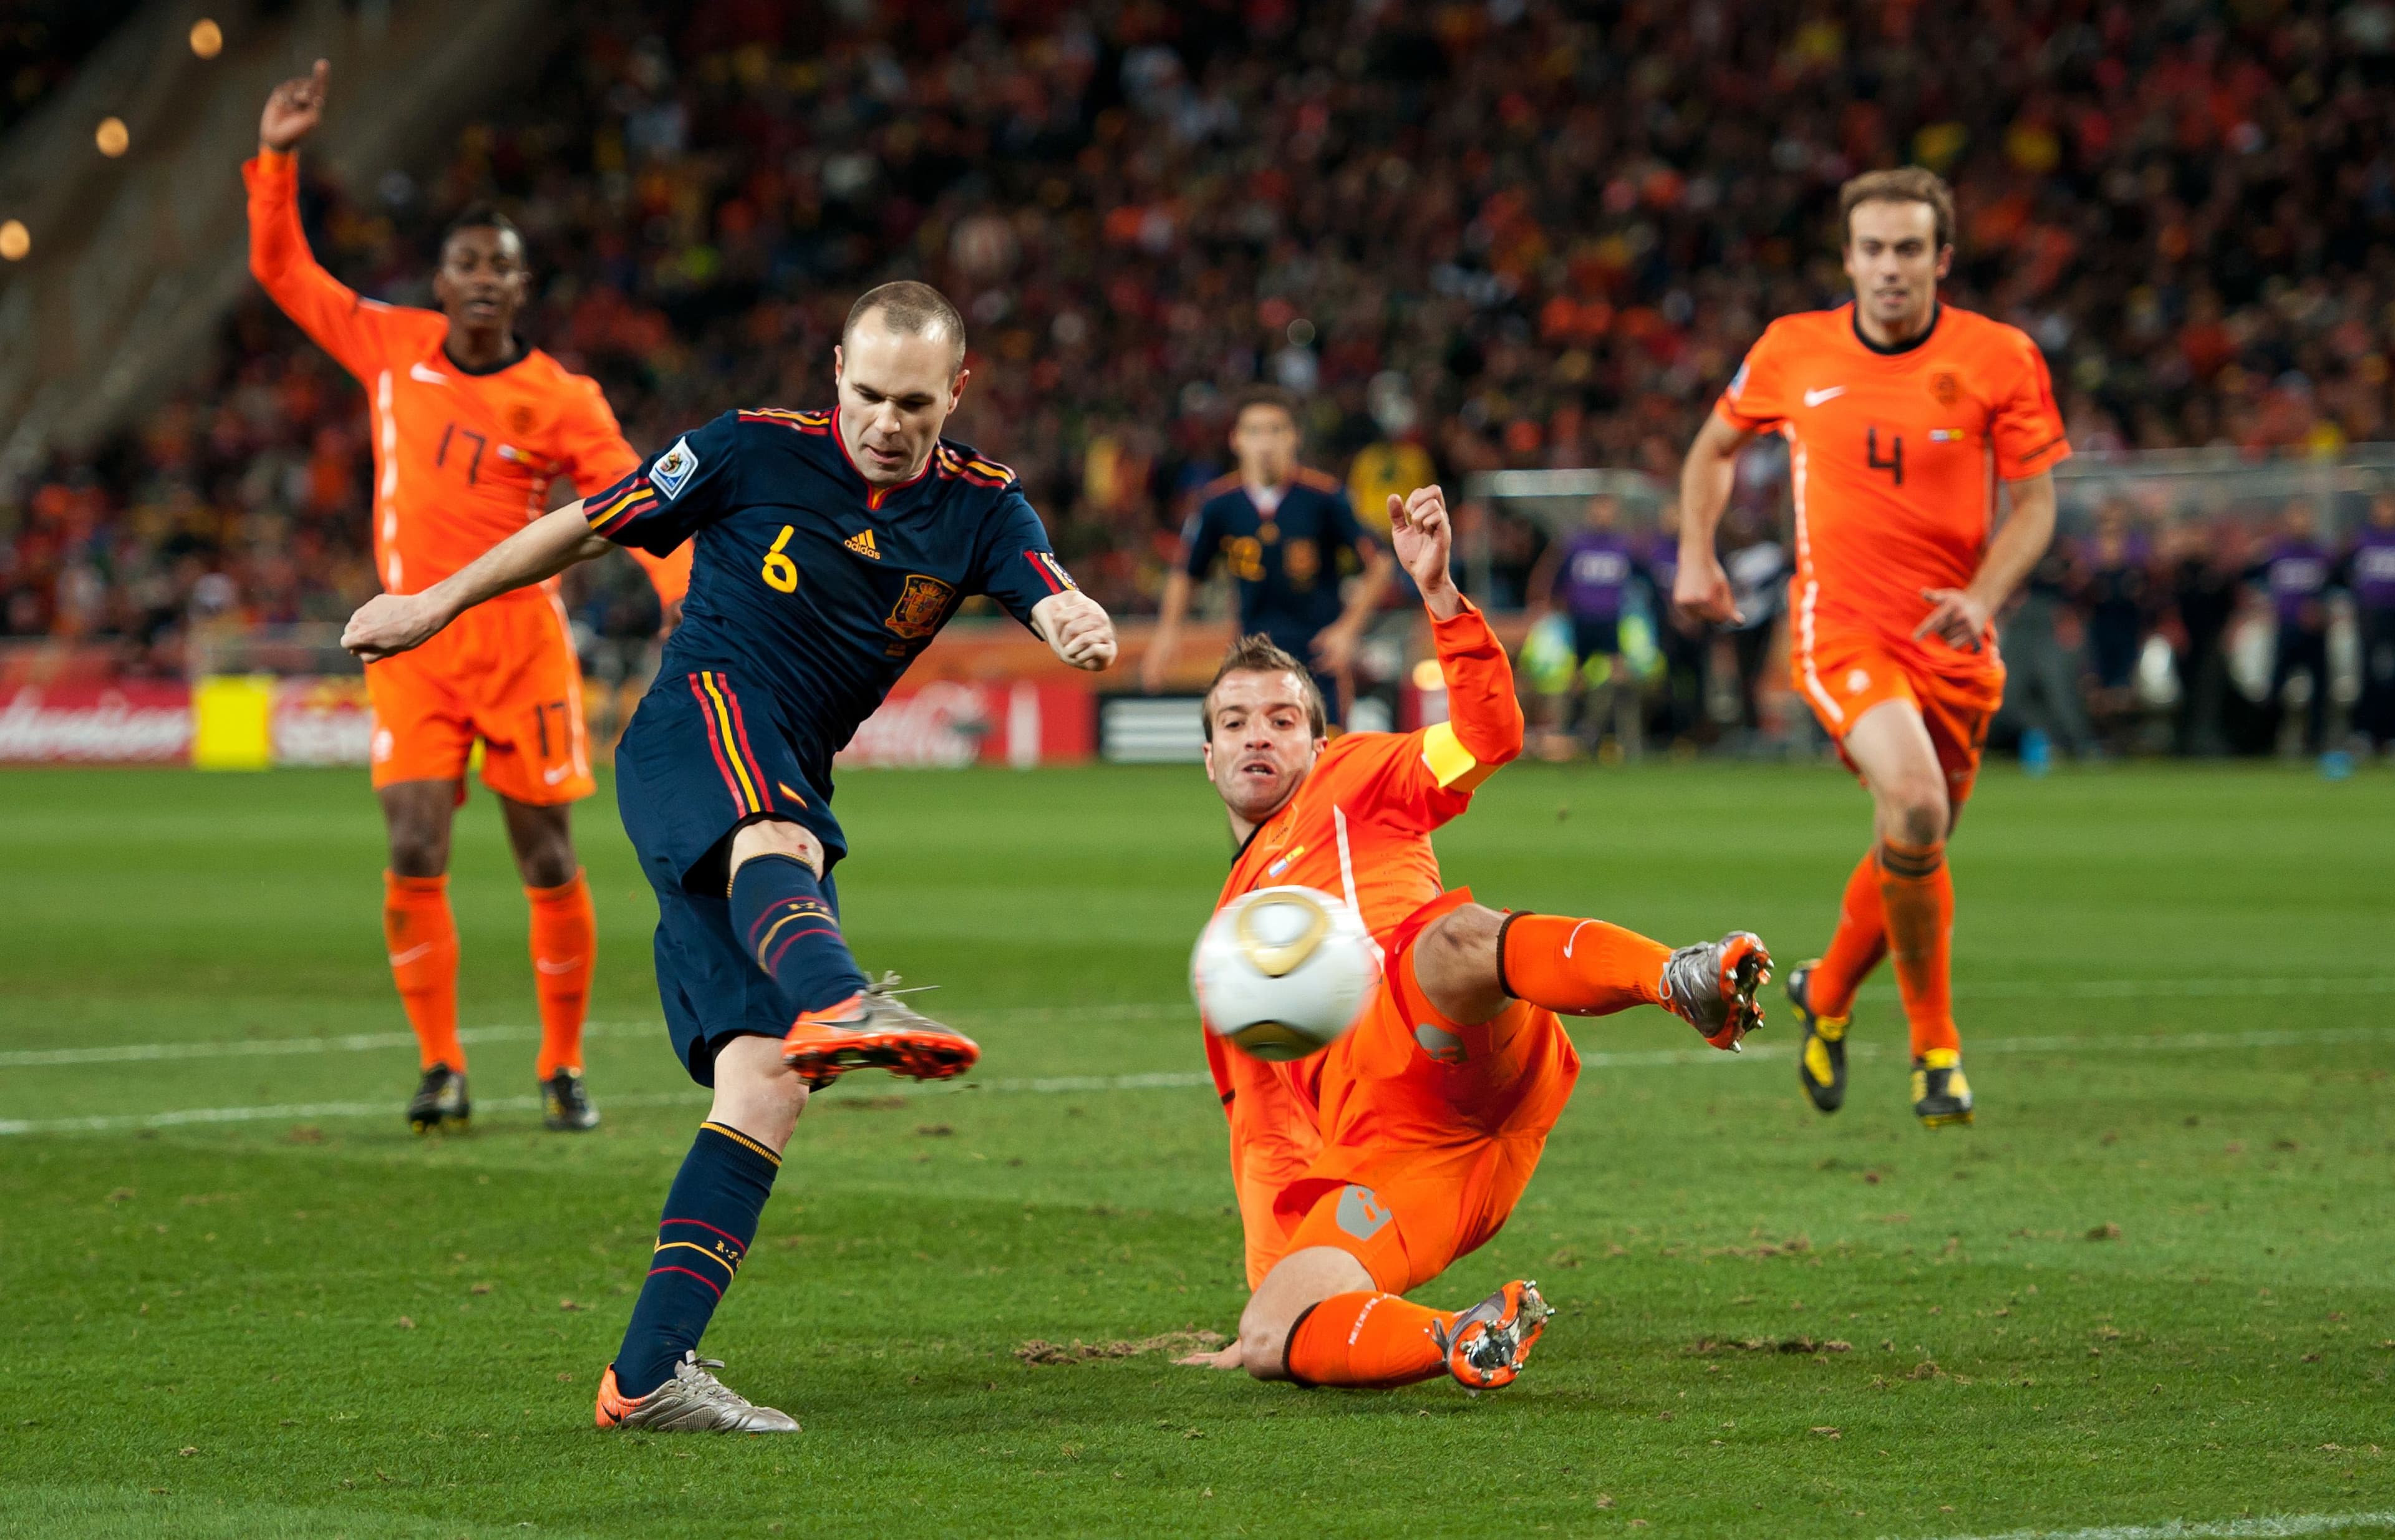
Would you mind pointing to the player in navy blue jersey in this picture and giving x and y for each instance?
(1289, 537)
(829, 548)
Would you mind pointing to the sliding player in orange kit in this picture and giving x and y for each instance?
(471, 432)
(1364, 1170)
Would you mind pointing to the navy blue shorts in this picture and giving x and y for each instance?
(698, 760)
(1597, 636)
(1302, 648)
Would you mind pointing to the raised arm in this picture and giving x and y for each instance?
(1484, 727)
(331, 313)
(1706, 476)
(392, 623)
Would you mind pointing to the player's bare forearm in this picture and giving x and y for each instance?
(1962, 615)
(1157, 661)
(1703, 587)
(2019, 544)
(1077, 628)
(394, 623)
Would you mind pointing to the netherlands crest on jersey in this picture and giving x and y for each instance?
(673, 469)
(921, 605)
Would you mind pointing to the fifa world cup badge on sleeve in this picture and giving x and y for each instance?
(673, 469)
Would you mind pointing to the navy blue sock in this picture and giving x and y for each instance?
(710, 1217)
(789, 924)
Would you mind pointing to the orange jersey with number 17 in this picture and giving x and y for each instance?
(1893, 457)
(461, 460)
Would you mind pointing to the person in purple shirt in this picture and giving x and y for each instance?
(1586, 575)
(2297, 571)
(2369, 575)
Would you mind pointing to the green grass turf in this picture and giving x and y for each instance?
(312, 1325)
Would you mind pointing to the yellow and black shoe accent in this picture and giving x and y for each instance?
(1940, 1094)
(440, 1102)
(1821, 1057)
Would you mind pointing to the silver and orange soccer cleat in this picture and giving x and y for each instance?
(1488, 1343)
(876, 1031)
(1712, 986)
(693, 1402)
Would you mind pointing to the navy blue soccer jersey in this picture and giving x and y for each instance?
(1287, 563)
(811, 585)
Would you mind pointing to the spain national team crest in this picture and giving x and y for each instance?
(1945, 387)
(921, 605)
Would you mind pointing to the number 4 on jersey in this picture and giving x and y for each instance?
(1894, 464)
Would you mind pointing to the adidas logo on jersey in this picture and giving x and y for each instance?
(863, 545)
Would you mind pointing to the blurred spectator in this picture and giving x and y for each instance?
(2118, 596)
(2297, 572)
(1758, 569)
(2041, 662)
(2203, 585)
(1585, 578)
(1686, 645)
(2370, 577)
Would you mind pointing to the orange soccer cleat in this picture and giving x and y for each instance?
(1488, 1343)
(874, 1030)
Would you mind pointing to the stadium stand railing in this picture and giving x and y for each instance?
(132, 268)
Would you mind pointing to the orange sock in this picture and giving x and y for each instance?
(1918, 894)
(1579, 967)
(1368, 1341)
(1856, 945)
(564, 945)
(422, 936)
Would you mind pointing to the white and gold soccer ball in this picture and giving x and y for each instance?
(1283, 971)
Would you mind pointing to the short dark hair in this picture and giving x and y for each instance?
(911, 307)
(481, 216)
(1260, 653)
(1905, 184)
(1264, 395)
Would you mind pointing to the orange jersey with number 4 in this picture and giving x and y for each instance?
(1893, 457)
(461, 460)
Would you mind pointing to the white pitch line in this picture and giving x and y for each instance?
(695, 1097)
(2269, 1528)
(1180, 1079)
(2087, 988)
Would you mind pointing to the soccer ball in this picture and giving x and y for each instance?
(1283, 971)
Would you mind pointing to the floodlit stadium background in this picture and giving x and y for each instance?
(1516, 246)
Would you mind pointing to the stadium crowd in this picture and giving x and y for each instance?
(1507, 233)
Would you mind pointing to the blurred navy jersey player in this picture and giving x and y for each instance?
(1289, 537)
(828, 548)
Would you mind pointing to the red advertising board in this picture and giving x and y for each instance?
(129, 723)
(952, 723)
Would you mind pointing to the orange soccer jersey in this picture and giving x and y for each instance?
(1892, 460)
(1390, 1121)
(461, 462)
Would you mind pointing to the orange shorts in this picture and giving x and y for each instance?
(1843, 674)
(504, 672)
(1431, 1128)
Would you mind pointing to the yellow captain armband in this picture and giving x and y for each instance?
(1450, 763)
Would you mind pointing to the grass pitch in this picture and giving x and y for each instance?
(2156, 1282)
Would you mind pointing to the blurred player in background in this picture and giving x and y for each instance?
(2369, 575)
(1585, 575)
(1894, 405)
(831, 546)
(1364, 1170)
(1289, 537)
(471, 432)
